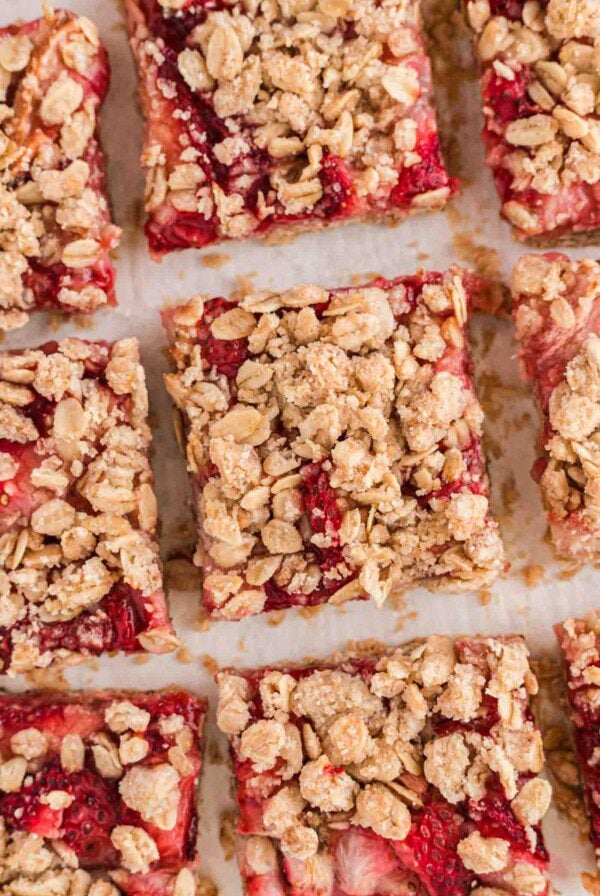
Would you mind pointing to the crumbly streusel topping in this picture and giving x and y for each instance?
(77, 510)
(361, 744)
(53, 211)
(556, 311)
(579, 640)
(290, 87)
(362, 391)
(555, 48)
(34, 865)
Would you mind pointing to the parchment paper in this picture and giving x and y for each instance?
(535, 594)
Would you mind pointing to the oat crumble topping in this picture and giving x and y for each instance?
(540, 63)
(347, 774)
(334, 442)
(556, 310)
(79, 565)
(70, 826)
(284, 115)
(55, 228)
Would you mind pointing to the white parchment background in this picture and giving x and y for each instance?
(332, 258)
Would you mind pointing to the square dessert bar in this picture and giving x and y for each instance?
(98, 793)
(264, 117)
(413, 770)
(80, 570)
(55, 229)
(333, 438)
(579, 641)
(557, 315)
(540, 78)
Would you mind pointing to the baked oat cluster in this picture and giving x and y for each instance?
(97, 793)
(557, 315)
(55, 229)
(79, 565)
(334, 442)
(579, 641)
(265, 116)
(413, 770)
(540, 63)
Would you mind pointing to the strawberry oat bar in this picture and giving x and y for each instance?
(334, 442)
(263, 118)
(80, 571)
(540, 78)
(55, 229)
(407, 771)
(98, 793)
(579, 642)
(557, 315)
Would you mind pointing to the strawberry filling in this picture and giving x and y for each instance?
(428, 174)
(509, 98)
(46, 282)
(321, 508)
(320, 502)
(495, 818)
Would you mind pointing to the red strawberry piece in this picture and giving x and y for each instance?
(429, 850)
(310, 877)
(88, 821)
(84, 826)
(155, 883)
(267, 885)
(178, 844)
(366, 865)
